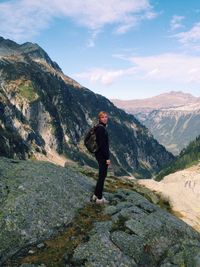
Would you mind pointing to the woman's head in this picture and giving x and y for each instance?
(103, 117)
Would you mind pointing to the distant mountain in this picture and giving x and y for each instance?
(166, 100)
(173, 127)
(44, 110)
(188, 157)
(173, 118)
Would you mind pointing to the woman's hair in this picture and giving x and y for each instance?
(101, 113)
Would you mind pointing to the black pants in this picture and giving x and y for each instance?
(103, 167)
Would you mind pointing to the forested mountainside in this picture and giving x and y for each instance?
(188, 157)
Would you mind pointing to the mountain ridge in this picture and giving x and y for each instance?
(46, 111)
(164, 100)
(173, 120)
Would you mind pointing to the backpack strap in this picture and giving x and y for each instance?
(99, 124)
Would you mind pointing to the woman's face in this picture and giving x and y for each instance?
(103, 118)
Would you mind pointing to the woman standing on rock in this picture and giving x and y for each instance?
(102, 156)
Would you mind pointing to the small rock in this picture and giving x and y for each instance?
(41, 245)
(21, 187)
(66, 258)
(31, 251)
(197, 261)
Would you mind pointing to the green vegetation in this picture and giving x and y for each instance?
(188, 157)
(27, 91)
(119, 225)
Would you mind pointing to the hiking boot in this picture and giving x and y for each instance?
(93, 198)
(102, 201)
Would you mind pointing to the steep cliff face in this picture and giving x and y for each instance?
(173, 127)
(46, 110)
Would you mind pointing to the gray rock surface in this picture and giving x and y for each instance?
(36, 199)
(139, 234)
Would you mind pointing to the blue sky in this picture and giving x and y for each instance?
(124, 49)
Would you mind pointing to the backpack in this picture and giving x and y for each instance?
(90, 140)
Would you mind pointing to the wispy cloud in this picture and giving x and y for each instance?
(169, 67)
(22, 19)
(190, 39)
(191, 36)
(176, 22)
(91, 41)
(104, 76)
(176, 68)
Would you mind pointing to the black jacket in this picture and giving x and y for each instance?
(102, 141)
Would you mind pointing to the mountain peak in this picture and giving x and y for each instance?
(30, 46)
(33, 50)
(178, 93)
(8, 47)
(164, 100)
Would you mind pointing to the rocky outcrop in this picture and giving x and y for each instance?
(139, 234)
(39, 198)
(36, 199)
(48, 111)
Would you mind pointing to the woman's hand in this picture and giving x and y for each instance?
(108, 161)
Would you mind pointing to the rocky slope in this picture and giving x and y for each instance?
(180, 184)
(182, 189)
(43, 110)
(38, 199)
(173, 118)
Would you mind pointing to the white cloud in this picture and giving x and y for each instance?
(176, 22)
(91, 41)
(104, 76)
(167, 68)
(23, 19)
(193, 35)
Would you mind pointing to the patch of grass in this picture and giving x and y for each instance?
(113, 183)
(164, 203)
(23, 88)
(89, 172)
(76, 233)
(26, 90)
(119, 225)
